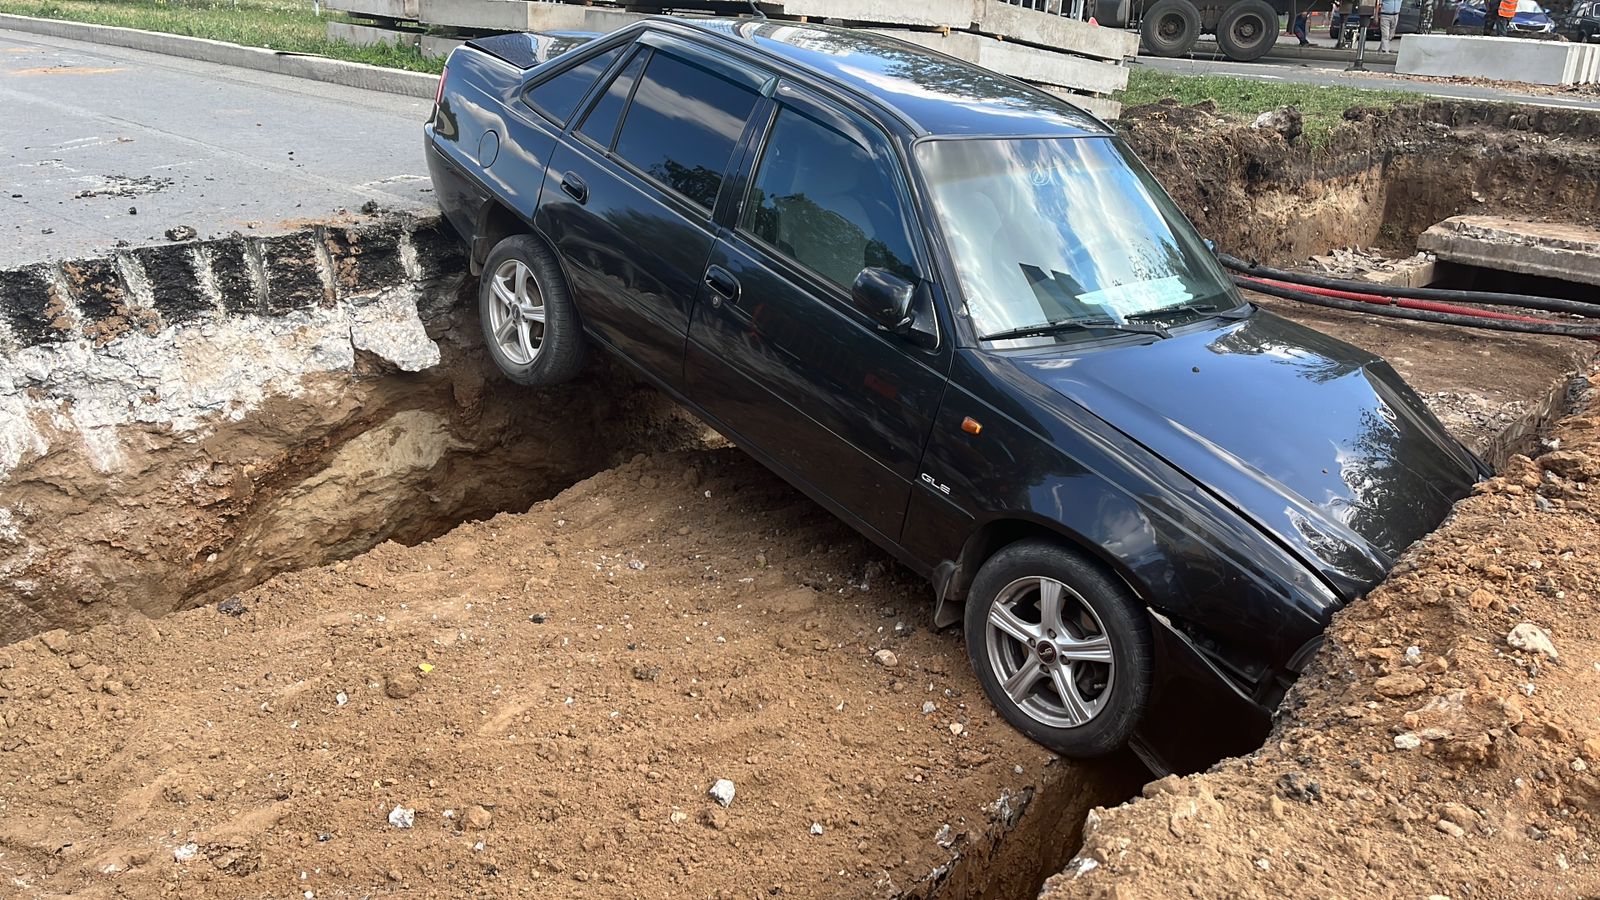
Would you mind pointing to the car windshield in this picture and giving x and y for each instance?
(1529, 6)
(1050, 230)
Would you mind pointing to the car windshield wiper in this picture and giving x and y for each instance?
(1081, 324)
(1237, 312)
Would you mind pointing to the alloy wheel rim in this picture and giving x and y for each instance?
(1050, 652)
(516, 312)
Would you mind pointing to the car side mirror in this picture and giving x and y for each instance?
(884, 296)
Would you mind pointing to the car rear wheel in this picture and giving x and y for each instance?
(1247, 30)
(1170, 27)
(529, 322)
(1061, 648)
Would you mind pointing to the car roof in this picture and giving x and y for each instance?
(934, 93)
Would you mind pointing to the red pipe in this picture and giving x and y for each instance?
(1381, 300)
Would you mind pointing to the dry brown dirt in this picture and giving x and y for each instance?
(1428, 752)
(553, 694)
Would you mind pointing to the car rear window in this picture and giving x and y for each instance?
(682, 125)
(558, 96)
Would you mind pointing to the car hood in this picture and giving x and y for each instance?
(1319, 443)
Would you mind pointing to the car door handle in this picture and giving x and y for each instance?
(575, 186)
(723, 285)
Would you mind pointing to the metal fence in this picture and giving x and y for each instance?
(1070, 9)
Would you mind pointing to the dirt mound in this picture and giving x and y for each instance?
(1444, 742)
(1380, 178)
(541, 702)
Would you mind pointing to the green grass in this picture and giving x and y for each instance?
(1322, 107)
(290, 25)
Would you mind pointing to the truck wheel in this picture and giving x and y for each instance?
(1247, 30)
(529, 322)
(1170, 27)
(1113, 13)
(1061, 649)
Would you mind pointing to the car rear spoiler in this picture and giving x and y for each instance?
(526, 50)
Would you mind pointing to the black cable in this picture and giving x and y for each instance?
(1591, 332)
(1520, 301)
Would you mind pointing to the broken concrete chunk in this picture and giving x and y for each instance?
(391, 330)
(722, 791)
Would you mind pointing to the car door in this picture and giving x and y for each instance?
(778, 352)
(628, 196)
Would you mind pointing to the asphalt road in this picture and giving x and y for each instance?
(103, 145)
(1334, 74)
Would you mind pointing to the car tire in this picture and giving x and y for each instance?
(1095, 646)
(1247, 30)
(529, 323)
(1170, 27)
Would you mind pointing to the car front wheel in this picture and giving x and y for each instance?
(529, 322)
(1061, 648)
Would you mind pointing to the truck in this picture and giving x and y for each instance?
(1245, 29)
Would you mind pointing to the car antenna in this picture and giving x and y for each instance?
(756, 10)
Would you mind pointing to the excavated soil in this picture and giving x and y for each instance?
(550, 695)
(1432, 750)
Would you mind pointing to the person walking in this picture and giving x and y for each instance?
(1298, 29)
(1388, 21)
(1508, 10)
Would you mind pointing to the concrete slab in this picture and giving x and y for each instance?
(567, 17)
(492, 15)
(1498, 58)
(386, 9)
(367, 35)
(1016, 23)
(1107, 110)
(1022, 61)
(958, 14)
(1548, 249)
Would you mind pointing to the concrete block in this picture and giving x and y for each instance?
(491, 15)
(1016, 23)
(568, 17)
(959, 14)
(1499, 58)
(367, 35)
(436, 47)
(1024, 62)
(386, 9)
(1106, 110)
(1548, 249)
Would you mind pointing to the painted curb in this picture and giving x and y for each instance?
(297, 65)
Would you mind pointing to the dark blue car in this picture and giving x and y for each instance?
(1531, 18)
(958, 313)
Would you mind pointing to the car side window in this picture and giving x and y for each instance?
(828, 201)
(683, 123)
(557, 97)
(600, 124)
